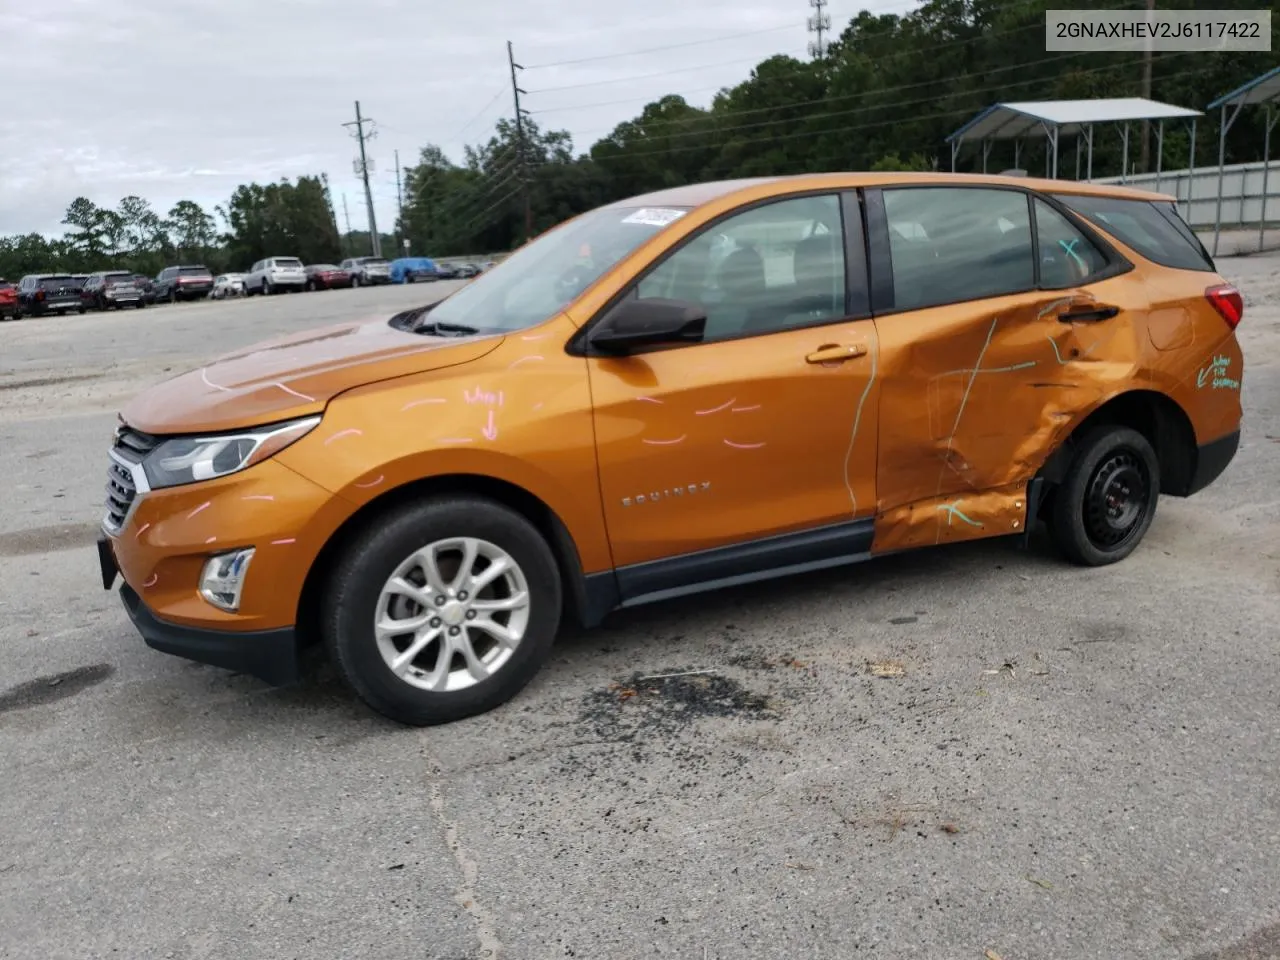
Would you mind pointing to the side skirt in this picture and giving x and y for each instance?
(706, 570)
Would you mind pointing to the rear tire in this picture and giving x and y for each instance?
(1108, 498)
(456, 660)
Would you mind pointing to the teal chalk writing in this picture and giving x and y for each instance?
(1215, 375)
(953, 510)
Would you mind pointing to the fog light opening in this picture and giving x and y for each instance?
(222, 580)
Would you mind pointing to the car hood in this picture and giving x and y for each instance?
(293, 376)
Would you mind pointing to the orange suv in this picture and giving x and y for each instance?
(704, 386)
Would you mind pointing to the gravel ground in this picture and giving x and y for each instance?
(1068, 764)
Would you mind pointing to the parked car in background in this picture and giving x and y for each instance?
(468, 270)
(111, 290)
(191, 282)
(44, 293)
(446, 271)
(275, 274)
(367, 271)
(325, 276)
(147, 286)
(8, 301)
(412, 270)
(227, 285)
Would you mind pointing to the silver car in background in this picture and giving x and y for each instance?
(367, 271)
(227, 285)
(275, 274)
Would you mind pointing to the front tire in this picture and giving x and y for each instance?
(442, 610)
(1108, 498)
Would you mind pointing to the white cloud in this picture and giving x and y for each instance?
(186, 99)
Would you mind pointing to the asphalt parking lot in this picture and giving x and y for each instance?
(1072, 764)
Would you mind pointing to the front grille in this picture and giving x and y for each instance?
(122, 486)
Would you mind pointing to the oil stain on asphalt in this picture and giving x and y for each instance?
(62, 536)
(57, 686)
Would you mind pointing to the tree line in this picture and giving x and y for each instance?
(885, 95)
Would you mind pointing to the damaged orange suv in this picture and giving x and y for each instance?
(704, 386)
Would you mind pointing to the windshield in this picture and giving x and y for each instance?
(288, 262)
(194, 272)
(543, 277)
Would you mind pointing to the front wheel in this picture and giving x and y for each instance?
(442, 610)
(1107, 500)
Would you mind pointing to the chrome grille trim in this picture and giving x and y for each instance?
(126, 486)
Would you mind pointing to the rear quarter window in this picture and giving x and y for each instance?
(1153, 229)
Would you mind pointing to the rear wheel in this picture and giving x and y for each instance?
(1107, 500)
(442, 610)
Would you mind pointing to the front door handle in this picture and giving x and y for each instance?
(837, 352)
(1090, 314)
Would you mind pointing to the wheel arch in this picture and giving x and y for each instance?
(580, 602)
(1157, 417)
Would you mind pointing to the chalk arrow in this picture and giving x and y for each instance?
(489, 430)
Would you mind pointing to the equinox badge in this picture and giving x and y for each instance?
(667, 493)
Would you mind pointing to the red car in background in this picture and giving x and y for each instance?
(8, 301)
(325, 276)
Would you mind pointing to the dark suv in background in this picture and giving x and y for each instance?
(112, 289)
(42, 293)
(192, 282)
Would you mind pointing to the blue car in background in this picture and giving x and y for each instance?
(413, 270)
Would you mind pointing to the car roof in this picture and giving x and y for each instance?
(698, 194)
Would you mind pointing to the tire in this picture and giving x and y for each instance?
(1108, 498)
(355, 597)
(311, 286)
(268, 288)
(355, 281)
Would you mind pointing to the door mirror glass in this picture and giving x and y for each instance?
(638, 323)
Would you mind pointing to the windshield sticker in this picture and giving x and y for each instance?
(654, 216)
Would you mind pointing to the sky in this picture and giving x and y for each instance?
(186, 99)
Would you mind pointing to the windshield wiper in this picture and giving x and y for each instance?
(441, 329)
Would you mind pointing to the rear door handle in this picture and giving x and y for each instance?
(1088, 314)
(837, 352)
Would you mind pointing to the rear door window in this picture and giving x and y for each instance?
(1153, 229)
(952, 244)
(1067, 256)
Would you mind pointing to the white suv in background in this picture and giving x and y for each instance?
(274, 274)
(366, 271)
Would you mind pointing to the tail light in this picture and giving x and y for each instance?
(1226, 299)
(39, 295)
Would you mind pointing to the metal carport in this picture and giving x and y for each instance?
(1015, 121)
(1262, 89)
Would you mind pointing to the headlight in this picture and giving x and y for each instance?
(190, 459)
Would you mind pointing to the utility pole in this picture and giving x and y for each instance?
(346, 237)
(399, 205)
(362, 170)
(1146, 90)
(521, 150)
(819, 24)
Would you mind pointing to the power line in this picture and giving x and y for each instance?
(483, 110)
(669, 46)
(362, 168)
(650, 76)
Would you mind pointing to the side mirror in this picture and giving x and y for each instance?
(639, 323)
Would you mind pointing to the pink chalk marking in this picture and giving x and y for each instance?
(456, 440)
(418, 403)
(723, 406)
(302, 396)
(754, 406)
(481, 396)
(284, 542)
(490, 429)
(258, 496)
(211, 540)
(536, 336)
(744, 446)
(538, 405)
(151, 581)
(533, 356)
(371, 483)
(664, 443)
(209, 383)
(647, 400)
(203, 506)
(349, 432)
(141, 530)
